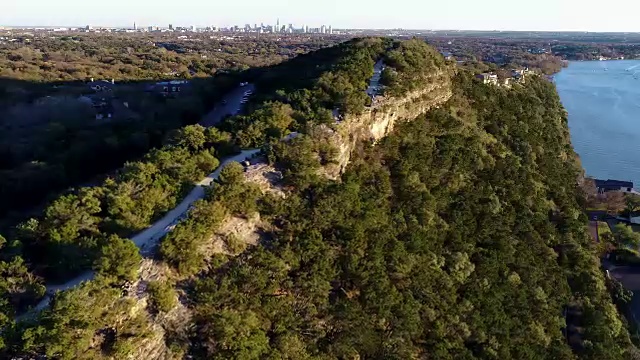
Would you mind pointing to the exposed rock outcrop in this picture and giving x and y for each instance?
(379, 120)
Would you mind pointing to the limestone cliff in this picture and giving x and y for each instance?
(379, 120)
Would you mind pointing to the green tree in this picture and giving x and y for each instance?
(119, 260)
(184, 247)
(632, 203)
(236, 335)
(238, 196)
(162, 296)
(190, 137)
(625, 236)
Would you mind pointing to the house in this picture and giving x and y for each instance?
(102, 106)
(170, 88)
(520, 75)
(447, 55)
(488, 78)
(101, 85)
(614, 185)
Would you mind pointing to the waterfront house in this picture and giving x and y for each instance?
(614, 185)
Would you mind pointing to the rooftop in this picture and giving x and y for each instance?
(613, 184)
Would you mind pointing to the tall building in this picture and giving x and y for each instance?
(323, 29)
(170, 27)
(330, 30)
(278, 26)
(306, 29)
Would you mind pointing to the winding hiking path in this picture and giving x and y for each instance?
(147, 240)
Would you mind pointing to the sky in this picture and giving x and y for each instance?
(575, 15)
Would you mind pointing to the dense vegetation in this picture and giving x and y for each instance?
(128, 57)
(459, 236)
(47, 147)
(409, 64)
(79, 230)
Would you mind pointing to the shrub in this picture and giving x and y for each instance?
(162, 296)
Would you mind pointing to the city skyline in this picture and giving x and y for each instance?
(277, 27)
(135, 25)
(545, 15)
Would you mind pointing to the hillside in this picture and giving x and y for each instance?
(438, 220)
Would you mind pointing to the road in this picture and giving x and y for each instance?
(374, 83)
(147, 239)
(232, 107)
(629, 276)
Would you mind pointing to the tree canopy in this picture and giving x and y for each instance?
(458, 236)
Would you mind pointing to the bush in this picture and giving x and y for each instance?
(162, 296)
(625, 257)
(119, 260)
(234, 244)
(182, 247)
(238, 196)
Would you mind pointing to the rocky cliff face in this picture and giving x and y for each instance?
(379, 120)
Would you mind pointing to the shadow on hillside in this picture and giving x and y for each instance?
(63, 134)
(58, 135)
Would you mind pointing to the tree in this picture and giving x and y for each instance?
(300, 160)
(190, 137)
(184, 247)
(235, 335)
(625, 236)
(119, 260)
(162, 296)
(70, 226)
(621, 296)
(632, 203)
(238, 196)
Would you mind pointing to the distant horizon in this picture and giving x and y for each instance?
(618, 16)
(166, 26)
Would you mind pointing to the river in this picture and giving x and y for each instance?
(603, 102)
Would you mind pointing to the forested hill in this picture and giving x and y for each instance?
(459, 235)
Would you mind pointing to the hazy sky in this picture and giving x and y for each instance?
(591, 15)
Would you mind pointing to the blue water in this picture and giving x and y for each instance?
(603, 102)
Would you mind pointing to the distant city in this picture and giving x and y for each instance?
(276, 28)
